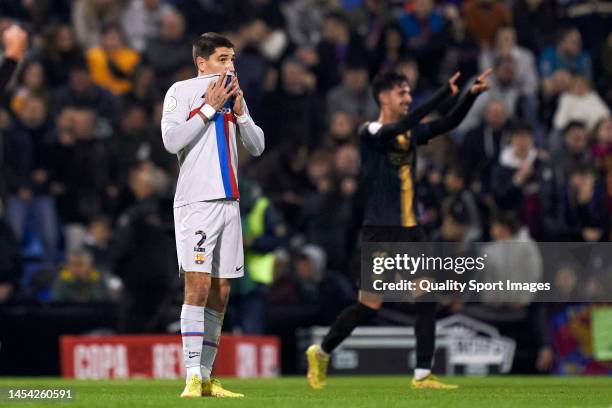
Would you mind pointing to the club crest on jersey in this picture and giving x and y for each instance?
(198, 251)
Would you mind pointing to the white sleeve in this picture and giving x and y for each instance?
(251, 135)
(177, 131)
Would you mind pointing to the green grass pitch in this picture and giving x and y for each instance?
(292, 392)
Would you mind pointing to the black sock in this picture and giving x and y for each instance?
(351, 317)
(425, 332)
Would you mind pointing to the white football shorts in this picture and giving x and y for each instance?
(209, 238)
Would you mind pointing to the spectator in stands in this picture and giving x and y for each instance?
(29, 176)
(112, 64)
(592, 18)
(514, 255)
(10, 263)
(145, 92)
(79, 282)
(524, 181)
(143, 246)
(353, 95)
(388, 52)
(606, 63)
(602, 154)
(87, 171)
(580, 102)
(482, 144)
(97, 243)
(30, 82)
(263, 232)
(504, 87)
(523, 264)
(304, 21)
(373, 20)
(584, 209)
(419, 90)
(313, 293)
(574, 151)
(296, 103)
(456, 192)
(426, 35)
(59, 54)
(131, 142)
(88, 18)
(141, 20)
(483, 18)
(282, 174)
(536, 23)
(251, 64)
(327, 211)
(567, 55)
(341, 130)
(461, 51)
(81, 91)
(170, 50)
(338, 48)
(505, 44)
(270, 42)
(15, 45)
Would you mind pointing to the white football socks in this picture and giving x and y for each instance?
(420, 373)
(192, 331)
(213, 321)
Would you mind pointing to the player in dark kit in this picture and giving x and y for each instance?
(388, 160)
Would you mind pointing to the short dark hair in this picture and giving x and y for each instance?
(565, 31)
(520, 126)
(385, 82)
(509, 219)
(204, 46)
(573, 124)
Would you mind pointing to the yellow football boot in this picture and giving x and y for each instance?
(193, 388)
(317, 367)
(213, 388)
(432, 382)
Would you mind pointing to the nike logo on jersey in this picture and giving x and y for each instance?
(237, 269)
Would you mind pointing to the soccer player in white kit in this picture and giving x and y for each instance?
(201, 120)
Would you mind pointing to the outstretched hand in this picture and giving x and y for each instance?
(452, 83)
(481, 84)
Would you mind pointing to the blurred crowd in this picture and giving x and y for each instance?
(87, 185)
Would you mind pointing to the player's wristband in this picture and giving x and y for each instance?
(242, 119)
(208, 111)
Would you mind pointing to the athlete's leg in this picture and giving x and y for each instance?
(425, 332)
(227, 263)
(355, 315)
(213, 321)
(197, 288)
(358, 314)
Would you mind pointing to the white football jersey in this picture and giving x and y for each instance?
(207, 152)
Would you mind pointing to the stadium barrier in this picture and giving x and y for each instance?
(161, 356)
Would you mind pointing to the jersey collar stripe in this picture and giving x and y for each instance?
(222, 149)
(233, 184)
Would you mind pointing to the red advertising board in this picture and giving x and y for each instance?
(161, 356)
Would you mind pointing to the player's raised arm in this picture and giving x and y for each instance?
(252, 136)
(437, 127)
(412, 119)
(178, 130)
